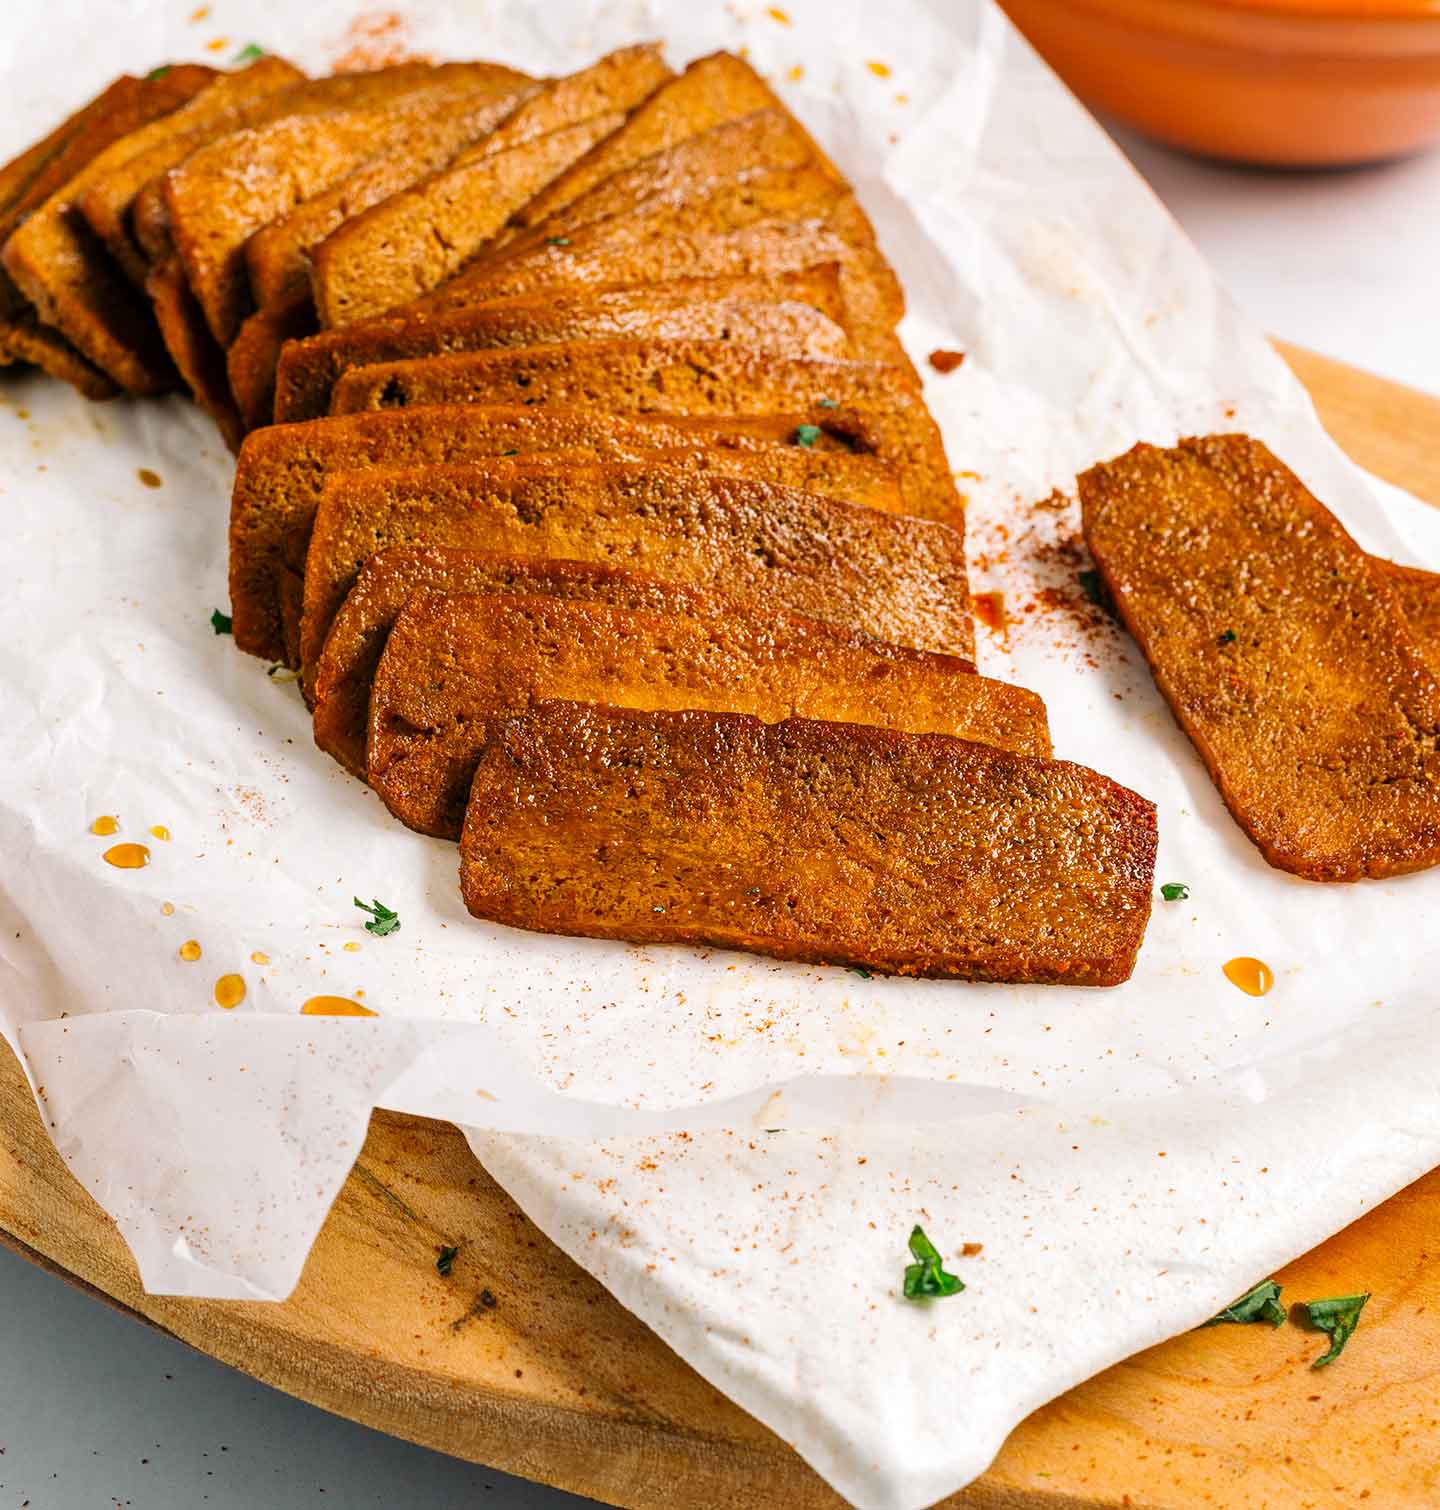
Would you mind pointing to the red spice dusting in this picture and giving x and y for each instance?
(969, 1250)
(375, 39)
(1038, 556)
(945, 361)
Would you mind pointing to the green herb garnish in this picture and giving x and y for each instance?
(1260, 1304)
(1175, 891)
(157, 73)
(557, 241)
(446, 1261)
(860, 971)
(926, 1278)
(384, 921)
(1339, 1317)
(806, 435)
(513, 451)
(249, 53)
(1090, 586)
(827, 403)
(221, 623)
(1228, 638)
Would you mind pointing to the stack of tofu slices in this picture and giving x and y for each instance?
(585, 483)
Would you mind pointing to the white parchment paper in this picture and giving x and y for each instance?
(1129, 1159)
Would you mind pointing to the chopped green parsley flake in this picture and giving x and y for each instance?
(1228, 638)
(1090, 586)
(383, 920)
(249, 53)
(860, 971)
(806, 435)
(1175, 891)
(157, 73)
(557, 241)
(221, 623)
(1339, 1317)
(1260, 1304)
(827, 403)
(926, 1277)
(446, 1261)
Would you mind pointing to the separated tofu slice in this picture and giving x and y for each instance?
(1282, 651)
(683, 378)
(806, 318)
(886, 575)
(834, 843)
(455, 666)
(282, 471)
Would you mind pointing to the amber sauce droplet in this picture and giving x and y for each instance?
(230, 990)
(126, 856)
(1253, 976)
(190, 949)
(149, 478)
(259, 958)
(167, 909)
(335, 1006)
(159, 831)
(990, 610)
(352, 947)
(105, 825)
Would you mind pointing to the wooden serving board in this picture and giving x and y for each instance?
(557, 1382)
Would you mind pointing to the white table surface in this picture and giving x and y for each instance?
(96, 1411)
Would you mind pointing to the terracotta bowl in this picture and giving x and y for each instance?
(1305, 83)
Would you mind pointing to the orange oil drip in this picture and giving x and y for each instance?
(335, 1006)
(259, 958)
(159, 831)
(126, 856)
(149, 478)
(352, 947)
(167, 909)
(1253, 976)
(230, 991)
(104, 825)
(190, 949)
(989, 608)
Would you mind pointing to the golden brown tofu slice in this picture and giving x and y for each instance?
(223, 105)
(1283, 654)
(282, 471)
(711, 91)
(64, 273)
(220, 195)
(887, 575)
(682, 378)
(416, 239)
(835, 843)
(776, 222)
(454, 666)
(802, 316)
(277, 256)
